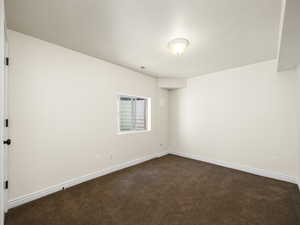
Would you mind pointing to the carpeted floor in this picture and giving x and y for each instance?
(167, 191)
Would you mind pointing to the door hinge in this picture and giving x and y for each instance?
(6, 123)
(6, 61)
(6, 184)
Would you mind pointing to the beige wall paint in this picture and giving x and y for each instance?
(63, 115)
(244, 116)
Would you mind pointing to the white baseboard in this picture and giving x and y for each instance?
(36, 195)
(259, 172)
(39, 194)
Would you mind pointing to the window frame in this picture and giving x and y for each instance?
(147, 114)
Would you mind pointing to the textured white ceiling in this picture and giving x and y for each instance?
(223, 33)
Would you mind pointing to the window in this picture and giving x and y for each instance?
(133, 113)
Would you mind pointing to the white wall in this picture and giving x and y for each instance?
(63, 115)
(171, 83)
(244, 117)
(164, 119)
(298, 117)
(289, 48)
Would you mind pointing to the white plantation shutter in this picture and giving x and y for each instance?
(126, 114)
(140, 114)
(133, 113)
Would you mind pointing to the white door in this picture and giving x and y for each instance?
(3, 115)
(6, 141)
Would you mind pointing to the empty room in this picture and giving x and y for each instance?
(149, 112)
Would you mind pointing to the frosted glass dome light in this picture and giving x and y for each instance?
(178, 45)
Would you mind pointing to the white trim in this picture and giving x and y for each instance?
(148, 114)
(133, 132)
(130, 95)
(36, 195)
(39, 194)
(259, 172)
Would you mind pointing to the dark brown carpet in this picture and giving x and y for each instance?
(167, 191)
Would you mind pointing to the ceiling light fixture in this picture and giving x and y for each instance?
(178, 45)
